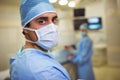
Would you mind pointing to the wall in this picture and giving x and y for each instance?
(66, 29)
(97, 10)
(99, 37)
(112, 18)
(10, 33)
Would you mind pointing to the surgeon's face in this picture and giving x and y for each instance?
(43, 20)
(39, 22)
(83, 30)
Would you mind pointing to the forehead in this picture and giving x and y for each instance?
(83, 30)
(48, 14)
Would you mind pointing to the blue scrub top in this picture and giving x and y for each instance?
(83, 59)
(61, 55)
(34, 64)
(84, 51)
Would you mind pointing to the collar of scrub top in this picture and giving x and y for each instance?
(22, 49)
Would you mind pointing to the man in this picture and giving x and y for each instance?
(83, 56)
(32, 61)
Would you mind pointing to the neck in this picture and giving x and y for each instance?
(33, 45)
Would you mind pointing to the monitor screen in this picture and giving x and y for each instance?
(94, 23)
(94, 26)
(94, 20)
(79, 12)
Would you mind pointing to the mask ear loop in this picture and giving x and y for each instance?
(30, 30)
(36, 41)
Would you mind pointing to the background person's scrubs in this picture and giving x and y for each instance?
(83, 59)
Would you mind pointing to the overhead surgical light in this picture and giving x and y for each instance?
(71, 4)
(63, 2)
(53, 1)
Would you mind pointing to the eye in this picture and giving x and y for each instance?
(55, 20)
(42, 21)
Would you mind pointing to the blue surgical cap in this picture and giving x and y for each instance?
(30, 9)
(83, 26)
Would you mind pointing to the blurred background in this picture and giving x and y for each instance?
(103, 17)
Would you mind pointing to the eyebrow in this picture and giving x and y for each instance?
(55, 17)
(45, 18)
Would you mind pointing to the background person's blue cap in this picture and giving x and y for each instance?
(30, 9)
(83, 26)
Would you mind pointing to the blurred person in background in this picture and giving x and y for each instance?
(83, 55)
(33, 61)
(61, 56)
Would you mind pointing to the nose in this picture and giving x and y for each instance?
(50, 21)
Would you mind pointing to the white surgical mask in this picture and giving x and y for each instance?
(47, 36)
(83, 34)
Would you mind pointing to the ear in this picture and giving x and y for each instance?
(25, 31)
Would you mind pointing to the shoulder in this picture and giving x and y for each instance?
(50, 73)
(39, 66)
(87, 39)
(47, 70)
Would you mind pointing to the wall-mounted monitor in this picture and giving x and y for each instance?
(79, 12)
(94, 23)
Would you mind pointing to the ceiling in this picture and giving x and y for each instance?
(79, 3)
